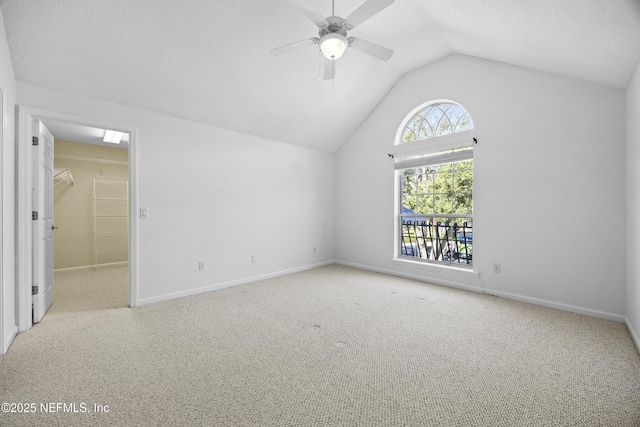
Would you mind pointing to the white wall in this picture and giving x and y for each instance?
(214, 196)
(8, 323)
(633, 207)
(549, 184)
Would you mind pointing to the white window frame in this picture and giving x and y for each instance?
(403, 154)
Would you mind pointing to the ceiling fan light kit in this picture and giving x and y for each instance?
(333, 39)
(333, 45)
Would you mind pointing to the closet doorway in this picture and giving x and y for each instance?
(72, 128)
(91, 207)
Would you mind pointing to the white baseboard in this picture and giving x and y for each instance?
(223, 285)
(91, 267)
(516, 297)
(412, 276)
(634, 334)
(559, 306)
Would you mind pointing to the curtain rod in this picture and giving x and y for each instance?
(475, 141)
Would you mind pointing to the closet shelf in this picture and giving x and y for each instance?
(110, 224)
(108, 251)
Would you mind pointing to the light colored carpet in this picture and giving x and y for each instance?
(334, 346)
(91, 290)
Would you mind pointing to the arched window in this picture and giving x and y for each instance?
(435, 186)
(436, 119)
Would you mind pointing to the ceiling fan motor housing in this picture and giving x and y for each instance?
(336, 25)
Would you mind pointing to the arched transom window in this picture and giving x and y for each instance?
(440, 118)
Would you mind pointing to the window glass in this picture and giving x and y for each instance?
(435, 120)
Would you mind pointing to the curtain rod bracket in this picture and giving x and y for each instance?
(390, 155)
(475, 140)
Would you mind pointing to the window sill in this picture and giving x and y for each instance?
(436, 267)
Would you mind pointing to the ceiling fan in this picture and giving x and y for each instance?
(333, 39)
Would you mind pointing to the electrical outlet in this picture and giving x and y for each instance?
(254, 259)
(144, 213)
(496, 267)
(201, 266)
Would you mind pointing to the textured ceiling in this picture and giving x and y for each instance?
(209, 61)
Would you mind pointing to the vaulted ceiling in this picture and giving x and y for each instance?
(209, 62)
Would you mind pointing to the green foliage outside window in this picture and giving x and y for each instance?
(440, 189)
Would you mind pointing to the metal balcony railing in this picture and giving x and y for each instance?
(443, 239)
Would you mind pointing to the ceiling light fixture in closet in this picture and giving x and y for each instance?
(112, 136)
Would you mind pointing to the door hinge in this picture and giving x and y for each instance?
(34, 215)
(34, 290)
(34, 140)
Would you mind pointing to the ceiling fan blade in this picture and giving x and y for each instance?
(327, 68)
(370, 48)
(310, 12)
(293, 46)
(366, 11)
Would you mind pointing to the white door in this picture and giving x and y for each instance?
(42, 207)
